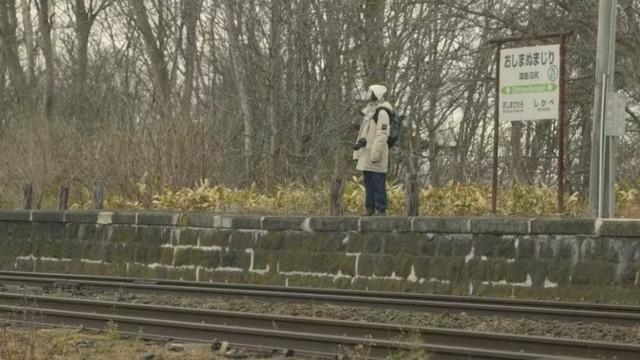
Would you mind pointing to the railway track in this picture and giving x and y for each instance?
(305, 335)
(621, 315)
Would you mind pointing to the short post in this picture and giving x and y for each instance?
(336, 207)
(97, 197)
(412, 201)
(27, 196)
(63, 203)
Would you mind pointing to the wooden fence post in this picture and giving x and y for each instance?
(412, 200)
(97, 197)
(63, 203)
(27, 196)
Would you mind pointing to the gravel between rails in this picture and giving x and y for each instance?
(576, 330)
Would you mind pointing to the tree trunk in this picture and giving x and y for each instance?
(274, 86)
(9, 48)
(237, 64)
(28, 39)
(157, 60)
(45, 23)
(192, 10)
(374, 41)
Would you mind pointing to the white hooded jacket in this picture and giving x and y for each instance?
(374, 156)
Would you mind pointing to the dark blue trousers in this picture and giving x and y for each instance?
(375, 185)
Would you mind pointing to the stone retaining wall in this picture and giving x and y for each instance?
(539, 257)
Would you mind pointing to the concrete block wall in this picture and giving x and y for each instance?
(524, 257)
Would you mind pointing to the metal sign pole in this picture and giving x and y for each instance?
(602, 172)
(601, 146)
(561, 121)
(496, 136)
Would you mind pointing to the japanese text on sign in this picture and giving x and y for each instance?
(529, 83)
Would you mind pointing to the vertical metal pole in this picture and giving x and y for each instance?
(601, 141)
(611, 141)
(561, 121)
(496, 136)
(604, 65)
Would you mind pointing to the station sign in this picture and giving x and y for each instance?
(529, 83)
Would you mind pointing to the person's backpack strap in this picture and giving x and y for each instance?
(375, 115)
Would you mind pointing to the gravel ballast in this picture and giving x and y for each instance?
(539, 327)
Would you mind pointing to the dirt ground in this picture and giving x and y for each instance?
(29, 343)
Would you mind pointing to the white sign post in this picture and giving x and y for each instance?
(529, 83)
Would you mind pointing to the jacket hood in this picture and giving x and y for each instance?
(386, 105)
(379, 91)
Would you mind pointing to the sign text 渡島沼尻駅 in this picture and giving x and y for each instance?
(529, 83)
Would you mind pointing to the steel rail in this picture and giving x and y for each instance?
(255, 338)
(547, 346)
(555, 310)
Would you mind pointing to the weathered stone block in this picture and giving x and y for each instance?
(15, 215)
(325, 242)
(58, 231)
(422, 265)
(87, 232)
(496, 269)
(214, 237)
(47, 216)
(294, 241)
(593, 273)
(477, 269)
(428, 244)
(517, 272)
(618, 228)
(491, 245)
(236, 259)
(401, 244)
(272, 241)
(20, 231)
(124, 218)
(559, 272)
(402, 265)
(123, 233)
(197, 219)
(81, 216)
(265, 260)
(157, 218)
(166, 256)
(333, 224)
(562, 226)
(40, 231)
(378, 265)
(385, 224)
(499, 225)
(538, 271)
(155, 234)
(103, 232)
(525, 247)
(248, 222)
(207, 259)
(242, 240)
(441, 225)
(282, 223)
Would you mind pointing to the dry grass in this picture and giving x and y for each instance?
(70, 344)
(29, 343)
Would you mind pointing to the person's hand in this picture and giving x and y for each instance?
(362, 142)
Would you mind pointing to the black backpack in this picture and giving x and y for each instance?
(395, 123)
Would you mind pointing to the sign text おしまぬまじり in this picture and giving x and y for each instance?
(529, 83)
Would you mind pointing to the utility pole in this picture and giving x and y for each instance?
(601, 188)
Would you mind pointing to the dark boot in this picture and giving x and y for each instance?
(368, 212)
